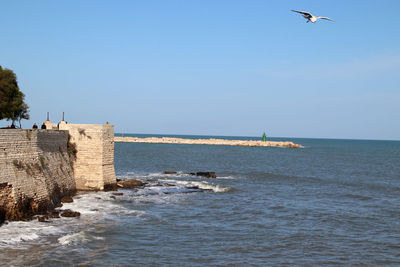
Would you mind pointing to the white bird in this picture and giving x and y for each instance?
(310, 17)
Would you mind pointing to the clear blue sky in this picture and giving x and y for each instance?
(209, 67)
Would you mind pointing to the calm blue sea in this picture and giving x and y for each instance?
(333, 202)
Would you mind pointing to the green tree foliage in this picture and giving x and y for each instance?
(12, 105)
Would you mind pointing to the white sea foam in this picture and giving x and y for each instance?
(227, 177)
(20, 237)
(80, 237)
(137, 213)
(17, 232)
(161, 190)
(153, 175)
(157, 175)
(100, 205)
(142, 176)
(94, 203)
(202, 185)
(92, 206)
(215, 188)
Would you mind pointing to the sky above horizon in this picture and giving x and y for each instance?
(226, 67)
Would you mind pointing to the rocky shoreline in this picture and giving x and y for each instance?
(55, 210)
(26, 208)
(27, 213)
(212, 141)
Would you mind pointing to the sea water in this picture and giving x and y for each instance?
(333, 202)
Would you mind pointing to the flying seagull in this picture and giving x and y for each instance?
(310, 17)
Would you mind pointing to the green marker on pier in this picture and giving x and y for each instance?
(264, 137)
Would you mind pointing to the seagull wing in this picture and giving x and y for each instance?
(306, 14)
(325, 18)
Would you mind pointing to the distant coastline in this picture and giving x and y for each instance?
(211, 141)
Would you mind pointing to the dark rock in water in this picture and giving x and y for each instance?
(67, 199)
(192, 187)
(2, 216)
(206, 174)
(169, 185)
(170, 172)
(111, 187)
(113, 197)
(207, 190)
(53, 214)
(129, 184)
(41, 219)
(59, 205)
(192, 173)
(118, 194)
(118, 180)
(70, 213)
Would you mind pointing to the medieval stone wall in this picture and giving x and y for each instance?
(94, 164)
(39, 167)
(35, 171)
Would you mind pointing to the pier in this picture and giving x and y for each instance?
(212, 141)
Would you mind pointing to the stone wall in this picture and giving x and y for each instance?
(94, 164)
(35, 171)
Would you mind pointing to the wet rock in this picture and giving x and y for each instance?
(170, 172)
(67, 199)
(118, 194)
(112, 197)
(42, 219)
(53, 214)
(129, 184)
(192, 187)
(59, 205)
(207, 190)
(192, 173)
(70, 213)
(2, 215)
(111, 187)
(25, 208)
(10, 207)
(206, 174)
(170, 185)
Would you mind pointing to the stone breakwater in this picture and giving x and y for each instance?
(212, 141)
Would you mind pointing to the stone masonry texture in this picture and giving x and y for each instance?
(35, 171)
(38, 167)
(94, 164)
